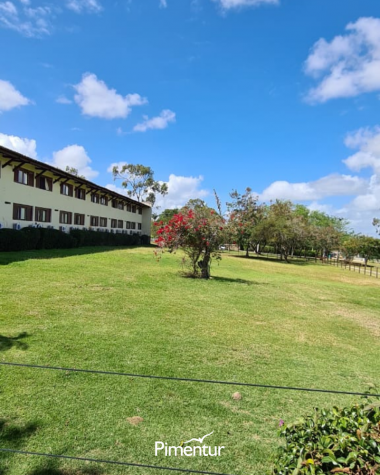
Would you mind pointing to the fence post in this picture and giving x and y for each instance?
(370, 271)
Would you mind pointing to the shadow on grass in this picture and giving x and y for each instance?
(13, 436)
(238, 281)
(295, 261)
(8, 342)
(51, 467)
(20, 256)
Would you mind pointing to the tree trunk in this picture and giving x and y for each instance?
(247, 251)
(205, 267)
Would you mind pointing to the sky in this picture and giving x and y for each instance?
(282, 96)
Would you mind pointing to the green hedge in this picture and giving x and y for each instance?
(333, 441)
(42, 238)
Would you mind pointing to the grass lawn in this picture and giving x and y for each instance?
(256, 321)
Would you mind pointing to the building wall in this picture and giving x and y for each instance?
(12, 192)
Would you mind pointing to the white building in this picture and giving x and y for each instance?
(33, 193)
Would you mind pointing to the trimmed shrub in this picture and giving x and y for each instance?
(43, 238)
(54, 239)
(13, 240)
(333, 441)
(33, 237)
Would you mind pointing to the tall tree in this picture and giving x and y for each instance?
(139, 182)
(243, 216)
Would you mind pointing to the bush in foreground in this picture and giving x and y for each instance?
(340, 441)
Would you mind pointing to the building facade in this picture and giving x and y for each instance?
(36, 194)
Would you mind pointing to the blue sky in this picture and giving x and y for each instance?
(281, 96)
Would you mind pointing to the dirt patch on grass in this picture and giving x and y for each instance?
(135, 420)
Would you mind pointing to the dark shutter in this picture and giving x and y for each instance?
(29, 213)
(15, 211)
(70, 191)
(30, 178)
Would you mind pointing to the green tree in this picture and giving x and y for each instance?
(139, 182)
(366, 246)
(243, 216)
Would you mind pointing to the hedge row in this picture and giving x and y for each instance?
(42, 238)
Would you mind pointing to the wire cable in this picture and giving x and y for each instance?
(112, 462)
(190, 380)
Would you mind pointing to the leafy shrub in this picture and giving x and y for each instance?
(33, 237)
(13, 240)
(43, 238)
(54, 239)
(95, 238)
(333, 441)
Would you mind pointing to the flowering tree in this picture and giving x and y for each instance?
(199, 231)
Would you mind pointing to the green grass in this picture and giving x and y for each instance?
(119, 310)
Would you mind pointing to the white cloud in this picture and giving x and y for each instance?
(331, 185)
(117, 189)
(116, 164)
(180, 190)
(163, 4)
(24, 146)
(159, 122)
(348, 65)
(97, 100)
(63, 100)
(28, 21)
(81, 6)
(74, 156)
(364, 192)
(231, 4)
(10, 97)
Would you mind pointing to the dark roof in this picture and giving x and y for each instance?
(19, 158)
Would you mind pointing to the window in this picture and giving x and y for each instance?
(140, 210)
(103, 201)
(128, 225)
(120, 205)
(95, 198)
(120, 223)
(129, 207)
(42, 215)
(133, 225)
(113, 223)
(66, 189)
(79, 219)
(139, 226)
(44, 183)
(65, 217)
(133, 209)
(22, 212)
(103, 222)
(94, 221)
(80, 193)
(24, 177)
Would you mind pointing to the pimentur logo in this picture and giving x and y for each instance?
(189, 451)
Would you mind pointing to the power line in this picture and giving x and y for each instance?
(111, 462)
(190, 380)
